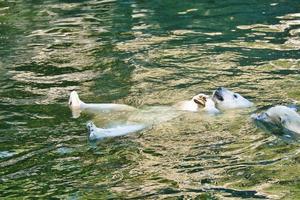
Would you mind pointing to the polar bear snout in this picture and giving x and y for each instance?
(90, 126)
(218, 94)
(262, 118)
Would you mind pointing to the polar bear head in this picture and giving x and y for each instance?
(278, 119)
(226, 99)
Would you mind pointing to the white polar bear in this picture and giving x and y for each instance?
(226, 99)
(142, 119)
(279, 119)
(149, 116)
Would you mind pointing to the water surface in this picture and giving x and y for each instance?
(146, 53)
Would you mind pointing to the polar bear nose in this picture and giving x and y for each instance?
(218, 94)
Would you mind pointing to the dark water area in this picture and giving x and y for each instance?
(146, 53)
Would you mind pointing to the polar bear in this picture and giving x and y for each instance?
(226, 99)
(139, 119)
(148, 116)
(279, 119)
(77, 106)
(197, 103)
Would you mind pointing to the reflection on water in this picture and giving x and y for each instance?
(148, 53)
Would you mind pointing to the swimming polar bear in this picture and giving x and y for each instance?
(279, 119)
(223, 98)
(77, 106)
(149, 116)
(226, 99)
(198, 103)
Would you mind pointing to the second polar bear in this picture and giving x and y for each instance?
(279, 119)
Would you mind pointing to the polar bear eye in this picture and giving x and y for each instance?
(281, 120)
(235, 96)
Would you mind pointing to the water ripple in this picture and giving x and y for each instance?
(146, 54)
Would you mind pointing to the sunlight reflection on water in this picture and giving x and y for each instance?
(146, 54)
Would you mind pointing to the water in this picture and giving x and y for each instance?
(146, 53)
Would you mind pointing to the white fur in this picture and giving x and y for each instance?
(100, 133)
(187, 105)
(77, 106)
(230, 100)
(194, 107)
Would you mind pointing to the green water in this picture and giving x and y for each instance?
(146, 53)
